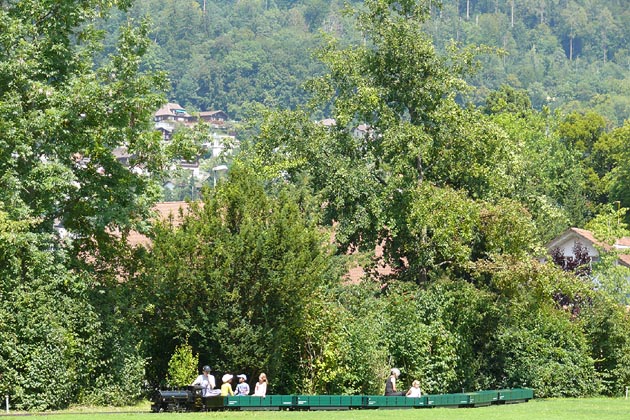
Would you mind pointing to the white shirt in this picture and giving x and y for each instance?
(414, 392)
(261, 389)
(206, 381)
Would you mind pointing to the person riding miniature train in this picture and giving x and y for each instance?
(414, 391)
(242, 388)
(390, 384)
(205, 381)
(226, 388)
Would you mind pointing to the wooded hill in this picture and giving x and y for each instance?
(229, 54)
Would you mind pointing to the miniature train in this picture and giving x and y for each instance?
(190, 399)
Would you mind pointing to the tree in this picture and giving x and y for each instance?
(182, 366)
(581, 132)
(614, 148)
(606, 329)
(575, 20)
(63, 119)
(238, 278)
(56, 348)
(64, 339)
(508, 99)
(402, 92)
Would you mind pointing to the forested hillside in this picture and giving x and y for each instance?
(226, 55)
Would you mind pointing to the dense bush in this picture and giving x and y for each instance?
(58, 344)
(607, 329)
(546, 351)
(344, 349)
(49, 328)
(439, 335)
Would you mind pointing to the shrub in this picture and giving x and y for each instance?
(182, 367)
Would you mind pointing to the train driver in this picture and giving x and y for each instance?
(205, 381)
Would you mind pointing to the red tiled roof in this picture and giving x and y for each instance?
(164, 210)
(211, 113)
(623, 242)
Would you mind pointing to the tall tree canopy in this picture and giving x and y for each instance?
(238, 278)
(399, 139)
(63, 337)
(62, 120)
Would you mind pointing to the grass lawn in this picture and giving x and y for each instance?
(553, 409)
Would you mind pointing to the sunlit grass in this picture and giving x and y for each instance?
(553, 409)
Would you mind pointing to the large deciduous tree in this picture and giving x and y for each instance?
(62, 120)
(63, 336)
(398, 133)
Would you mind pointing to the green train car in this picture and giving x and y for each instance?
(189, 399)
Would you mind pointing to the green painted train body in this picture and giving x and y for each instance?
(190, 400)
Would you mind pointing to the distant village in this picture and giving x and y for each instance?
(187, 177)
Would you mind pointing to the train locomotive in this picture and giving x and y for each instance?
(190, 399)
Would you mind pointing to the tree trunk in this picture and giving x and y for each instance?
(512, 13)
(467, 9)
(570, 48)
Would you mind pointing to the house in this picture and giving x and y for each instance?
(363, 130)
(566, 242)
(172, 112)
(218, 143)
(328, 122)
(122, 155)
(193, 167)
(165, 130)
(213, 117)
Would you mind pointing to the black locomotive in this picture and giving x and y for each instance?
(185, 399)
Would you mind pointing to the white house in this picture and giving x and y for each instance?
(567, 240)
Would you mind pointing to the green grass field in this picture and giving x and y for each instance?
(554, 409)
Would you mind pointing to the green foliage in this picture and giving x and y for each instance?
(186, 142)
(123, 385)
(236, 278)
(568, 55)
(410, 177)
(49, 327)
(546, 351)
(63, 119)
(441, 227)
(63, 340)
(344, 349)
(182, 367)
(614, 148)
(609, 225)
(546, 173)
(508, 99)
(458, 198)
(606, 327)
